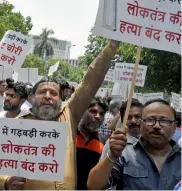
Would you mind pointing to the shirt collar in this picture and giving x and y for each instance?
(174, 145)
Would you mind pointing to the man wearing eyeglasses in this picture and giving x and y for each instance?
(14, 96)
(152, 163)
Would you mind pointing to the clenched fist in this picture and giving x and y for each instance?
(117, 143)
(15, 183)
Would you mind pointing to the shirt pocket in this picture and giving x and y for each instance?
(135, 178)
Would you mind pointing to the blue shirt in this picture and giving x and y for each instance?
(177, 134)
(136, 170)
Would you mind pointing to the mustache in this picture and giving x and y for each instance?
(132, 126)
(7, 103)
(156, 132)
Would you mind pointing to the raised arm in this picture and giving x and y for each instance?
(92, 80)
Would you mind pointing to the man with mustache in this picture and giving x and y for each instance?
(133, 123)
(46, 106)
(15, 96)
(153, 163)
(89, 142)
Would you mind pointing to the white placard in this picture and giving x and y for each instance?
(124, 73)
(14, 47)
(53, 69)
(151, 96)
(120, 89)
(28, 75)
(15, 76)
(139, 97)
(176, 101)
(104, 92)
(149, 23)
(24, 146)
(109, 75)
(1, 103)
(5, 73)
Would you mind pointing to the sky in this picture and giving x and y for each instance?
(71, 20)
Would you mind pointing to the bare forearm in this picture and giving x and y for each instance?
(92, 81)
(99, 175)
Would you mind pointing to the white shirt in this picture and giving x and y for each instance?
(1, 103)
(22, 113)
(26, 106)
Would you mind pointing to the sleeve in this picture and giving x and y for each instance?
(3, 180)
(92, 80)
(116, 175)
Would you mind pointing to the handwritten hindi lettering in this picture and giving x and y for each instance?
(143, 23)
(25, 153)
(6, 163)
(14, 47)
(131, 28)
(49, 166)
(28, 166)
(136, 10)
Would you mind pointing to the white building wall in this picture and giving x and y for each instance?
(61, 50)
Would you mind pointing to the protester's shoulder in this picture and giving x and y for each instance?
(3, 114)
(27, 116)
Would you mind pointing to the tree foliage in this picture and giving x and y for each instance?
(65, 72)
(34, 61)
(10, 20)
(164, 68)
(94, 47)
(44, 46)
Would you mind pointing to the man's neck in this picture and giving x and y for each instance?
(13, 114)
(156, 151)
(85, 133)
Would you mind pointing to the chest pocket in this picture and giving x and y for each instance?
(135, 178)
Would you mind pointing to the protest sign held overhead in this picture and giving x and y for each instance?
(53, 69)
(176, 101)
(152, 24)
(14, 47)
(33, 149)
(109, 76)
(151, 96)
(124, 72)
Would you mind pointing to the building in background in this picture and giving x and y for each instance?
(61, 50)
(73, 62)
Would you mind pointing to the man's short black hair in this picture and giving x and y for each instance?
(18, 87)
(46, 79)
(161, 101)
(101, 102)
(134, 103)
(65, 85)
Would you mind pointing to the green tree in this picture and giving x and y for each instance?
(65, 71)
(34, 61)
(164, 68)
(44, 46)
(94, 47)
(10, 20)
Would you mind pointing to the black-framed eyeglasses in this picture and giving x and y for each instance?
(162, 122)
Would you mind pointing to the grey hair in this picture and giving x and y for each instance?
(115, 103)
